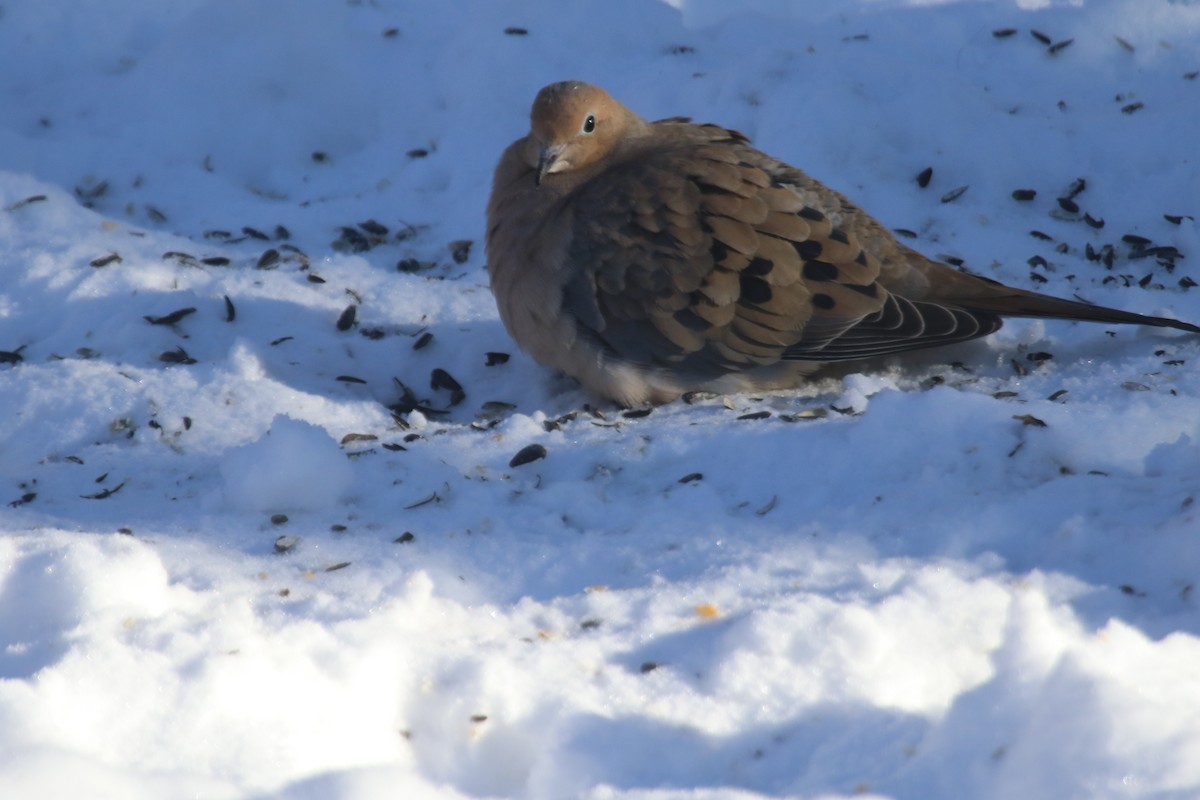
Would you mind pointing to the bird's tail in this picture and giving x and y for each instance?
(1010, 302)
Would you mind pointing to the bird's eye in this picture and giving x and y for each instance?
(589, 124)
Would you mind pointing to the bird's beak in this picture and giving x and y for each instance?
(548, 162)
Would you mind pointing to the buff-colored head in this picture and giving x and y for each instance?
(575, 125)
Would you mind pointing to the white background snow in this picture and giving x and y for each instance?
(941, 578)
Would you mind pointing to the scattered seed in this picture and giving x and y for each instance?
(1045, 237)
(638, 413)
(1030, 420)
(395, 448)
(170, 319)
(282, 233)
(104, 494)
(186, 259)
(1124, 44)
(1038, 261)
(647, 666)
(756, 415)
(692, 476)
(28, 201)
(320, 156)
(422, 340)
(155, 214)
(28, 497)
(492, 409)
(352, 241)
(1191, 76)
(349, 379)
(1068, 205)
(1024, 194)
(281, 340)
(374, 228)
(1041, 37)
(905, 232)
(336, 567)
(217, 234)
(924, 176)
(230, 311)
(347, 318)
(1093, 221)
(1134, 386)
(411, 265)
(104, 261)
(460, 250)
(492, 359)
(527, 455)
(1187, 282)
(404, 538)
(1039, 357)
(1131, 591)
(1003, 395)
(1057, 395)
(391, 33)
(1177, 219)
(1004, 33)
(12, 356)
(313, 277)
(1132, 107)
(176, 356)
(284, 543)
(954, 194)
(806, 414)
(255, 233)
(268, 260)
(766, 509)
(516, 32)
(374, 334)
(417, 152)
(1058, 47)
(433, 497)
(440, 379)
(351, 438)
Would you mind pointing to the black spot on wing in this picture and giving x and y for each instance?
(759, 266)
(820, 271)
(754, 289)
(808, 249)
(823, 301)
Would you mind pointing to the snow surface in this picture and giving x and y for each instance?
(230, 570)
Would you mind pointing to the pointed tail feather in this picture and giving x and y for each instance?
(1031, 304)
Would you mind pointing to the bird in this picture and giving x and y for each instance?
(648, 260)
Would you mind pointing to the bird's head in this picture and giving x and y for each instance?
(575, 125)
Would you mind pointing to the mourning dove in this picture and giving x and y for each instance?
(649, 259)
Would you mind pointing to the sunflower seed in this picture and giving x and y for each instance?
(527, 455)
(954, 194)
(170, 319)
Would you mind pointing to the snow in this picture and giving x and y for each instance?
(238, 561)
